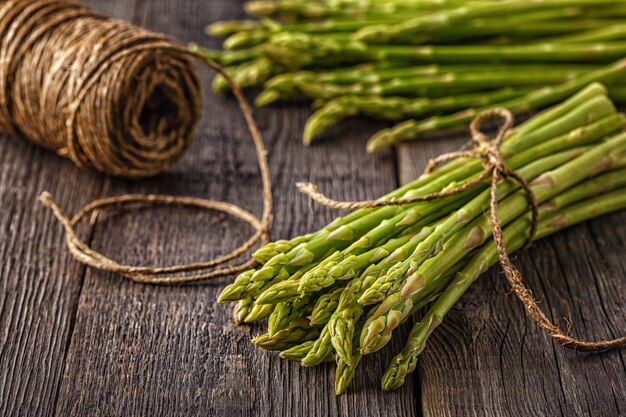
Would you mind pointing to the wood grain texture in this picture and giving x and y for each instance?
(79, 342)
(38, 288)
(39, 285)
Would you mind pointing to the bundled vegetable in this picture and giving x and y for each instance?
(434, 63)
(339, 293)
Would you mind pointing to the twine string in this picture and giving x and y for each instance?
(494, 167)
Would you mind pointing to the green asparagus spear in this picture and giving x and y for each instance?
(449, 18)
(413, 129)
(296, 332)
(397, 108)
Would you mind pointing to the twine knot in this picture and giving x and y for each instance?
(488, 151)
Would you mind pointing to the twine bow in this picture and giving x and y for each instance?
(488, 152)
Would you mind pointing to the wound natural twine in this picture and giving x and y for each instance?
(119, 99)
(125, 101)
(488, 153)
(106, 94)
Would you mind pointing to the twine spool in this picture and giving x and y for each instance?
(119, 99)
(109, 95)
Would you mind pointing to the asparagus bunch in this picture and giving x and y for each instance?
(430, 64)
(339, 293)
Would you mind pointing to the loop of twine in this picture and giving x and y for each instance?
(488, 152)
(119, 99)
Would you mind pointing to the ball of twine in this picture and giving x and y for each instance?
(107, 94)
(119, 99)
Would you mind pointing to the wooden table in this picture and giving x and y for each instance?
(80, 342)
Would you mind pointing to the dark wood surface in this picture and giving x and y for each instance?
(80, 342)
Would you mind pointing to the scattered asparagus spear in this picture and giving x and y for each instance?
(226, 58)
(227, 28)
(412, 129)
(298, 51)
(449, 18)
(247, 74)
(453, 57)
(390, 108)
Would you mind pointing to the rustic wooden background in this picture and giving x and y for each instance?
(78, 342)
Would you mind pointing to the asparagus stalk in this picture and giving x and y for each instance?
(345, 372)
(392, 108)
(372, 73)
(298, 352)
(268, 251)
(246, 39)
(420, 85)
(515, 27)
(226, 58)
(296, 332)
(449, 18)
(297, 51)
(285, 313)
(225, 28)
(241, 310)
(248, 74)
(320, 349)
(515, 236)
(325, 306)
(258, 312)
(294, 10)
(605, 33)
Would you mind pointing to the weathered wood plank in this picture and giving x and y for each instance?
(39, 283)
(489, 359)
(39, 288)
(172, 351)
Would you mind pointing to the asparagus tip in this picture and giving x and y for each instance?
(267, 97)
